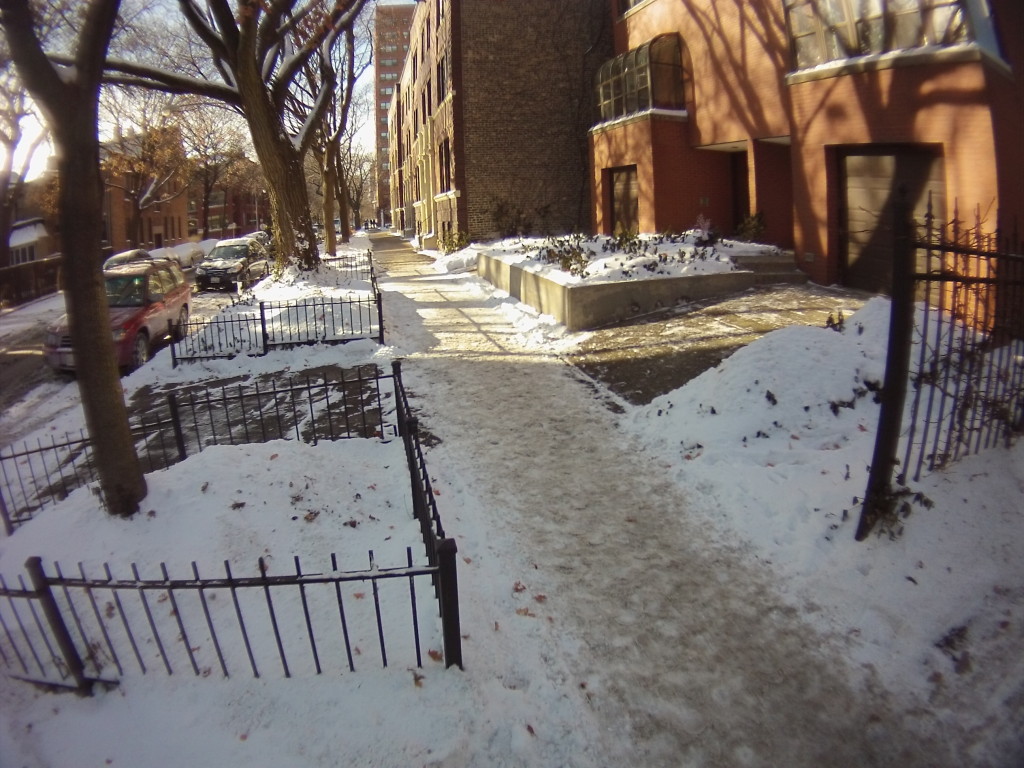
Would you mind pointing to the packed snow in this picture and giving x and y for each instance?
(730, 502)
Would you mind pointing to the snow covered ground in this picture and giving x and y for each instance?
(676, 584)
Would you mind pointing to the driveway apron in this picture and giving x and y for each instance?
(681, 645)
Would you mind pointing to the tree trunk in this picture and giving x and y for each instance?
(122, 483)
(327, 176)
(6, 220)
(282, 165)
(344, 212)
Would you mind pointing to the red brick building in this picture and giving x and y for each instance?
(391, 28)
(813, 113)
(159, 225)
(488, 128)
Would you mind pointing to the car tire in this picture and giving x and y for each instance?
(179, 329)
(140, 350)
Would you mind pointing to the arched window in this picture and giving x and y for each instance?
(647, 77)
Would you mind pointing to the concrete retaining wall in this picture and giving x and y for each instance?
(581, 307)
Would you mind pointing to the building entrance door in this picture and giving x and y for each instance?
(625, 200)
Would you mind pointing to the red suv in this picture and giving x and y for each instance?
(147, 301)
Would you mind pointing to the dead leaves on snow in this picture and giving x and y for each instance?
(519, 588)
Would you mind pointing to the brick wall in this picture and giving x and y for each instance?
(527, 70)
(896, 108)
(741, 96)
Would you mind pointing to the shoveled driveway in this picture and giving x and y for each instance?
(682, 647)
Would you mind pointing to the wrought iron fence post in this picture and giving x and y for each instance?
(449, 585)
(171, 334)
(380, 319)
(8, 523)
(179, 436)
(878, 499)
(263, 330)
(34, 566)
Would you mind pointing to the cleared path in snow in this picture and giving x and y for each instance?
(681, 647)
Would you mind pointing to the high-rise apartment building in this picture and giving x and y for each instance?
(390, 45)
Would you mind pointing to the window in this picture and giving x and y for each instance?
(388, 75)
(444, 166)
(831, 30)
(387, 91)
(647, 77)
(625, 5)
(23, 255)
(442, 80)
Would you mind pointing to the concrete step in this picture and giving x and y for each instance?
(771, 261)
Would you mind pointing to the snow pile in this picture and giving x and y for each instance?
(774, 446)
(580, 260)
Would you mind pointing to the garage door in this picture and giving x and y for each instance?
(871, 185)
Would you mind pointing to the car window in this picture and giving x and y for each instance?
(126, 290)
(161, 282)
(229, 252)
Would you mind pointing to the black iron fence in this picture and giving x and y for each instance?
(250, 327)
(957, 338)
(440, 549)
(74, 631)
(274, 324)
(352, 266)
(330, 404)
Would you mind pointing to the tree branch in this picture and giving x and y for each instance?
(153, 78)
(36, 72)
(94, 40)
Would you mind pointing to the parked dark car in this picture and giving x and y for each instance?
(240, 261)
(148, 300)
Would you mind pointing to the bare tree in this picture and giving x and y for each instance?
(330, 139)
(69, 100)
(355, 166)
(216, 145)
(14, 110)
(257, 52)
(360, 170)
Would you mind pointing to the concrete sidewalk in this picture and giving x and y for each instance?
(648, 356)
(676, 643)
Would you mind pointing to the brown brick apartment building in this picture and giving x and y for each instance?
(391, 29)
(488, 130)
(812, 113)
